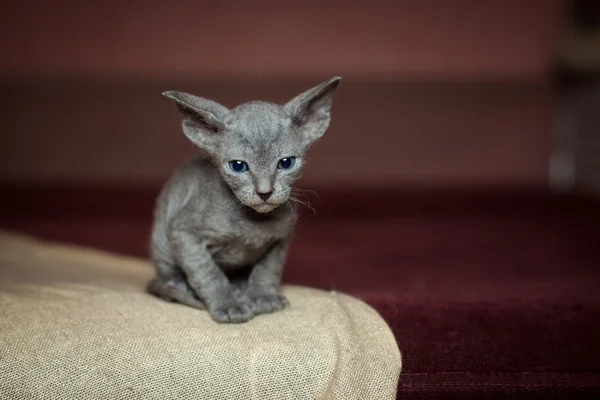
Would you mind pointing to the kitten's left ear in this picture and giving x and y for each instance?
(310, 111)
(202, 119)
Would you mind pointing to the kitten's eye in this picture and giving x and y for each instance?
(286, 163)
(238, 166)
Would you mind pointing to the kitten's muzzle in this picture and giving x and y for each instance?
(265, 207)
(264, 201)
(264, 195)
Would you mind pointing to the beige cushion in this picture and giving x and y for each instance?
(76, 324)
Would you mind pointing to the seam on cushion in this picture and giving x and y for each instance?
(390, 336)
(345, 303)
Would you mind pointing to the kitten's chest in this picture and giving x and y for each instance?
(240, 251)
(246, 242)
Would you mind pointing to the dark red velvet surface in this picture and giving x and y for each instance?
(491, 295)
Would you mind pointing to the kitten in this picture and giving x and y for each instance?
(223, 222)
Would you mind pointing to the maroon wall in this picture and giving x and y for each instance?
(435, 93)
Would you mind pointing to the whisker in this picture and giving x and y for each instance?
(238, 204)
(304, 203)
(297, 200)
(228, 205)
(291, 209)
(304, 191)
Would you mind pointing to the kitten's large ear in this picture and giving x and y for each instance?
(202, 119)
(310, 111)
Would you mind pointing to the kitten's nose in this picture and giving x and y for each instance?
(264, 196)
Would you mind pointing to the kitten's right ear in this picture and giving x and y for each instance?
(310, 111)
(202, 119)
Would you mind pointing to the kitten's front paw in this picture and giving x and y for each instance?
(267, 303)
(231, 313)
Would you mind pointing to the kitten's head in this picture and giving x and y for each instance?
(258, 147)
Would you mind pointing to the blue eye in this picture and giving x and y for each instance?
(238, 166)
(286, 163)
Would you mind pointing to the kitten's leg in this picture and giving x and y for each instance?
(206, 279)
(263, 282)
(169, 283)
(172, 290)
(239, 288)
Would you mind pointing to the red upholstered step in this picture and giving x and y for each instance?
(492, 295)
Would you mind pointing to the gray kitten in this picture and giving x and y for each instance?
(223, 222)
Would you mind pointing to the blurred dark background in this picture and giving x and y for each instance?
(454, 93)
(457, 189)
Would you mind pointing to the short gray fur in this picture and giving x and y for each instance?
(216, 244)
